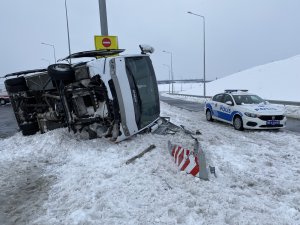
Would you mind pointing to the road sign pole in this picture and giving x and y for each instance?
(103, 17)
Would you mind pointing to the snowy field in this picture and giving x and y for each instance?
(58, 178)
(274, 81)
(278, 80)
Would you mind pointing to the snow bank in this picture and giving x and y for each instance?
(58, 178)
(293, 111)
(278, 80)
(2, 89)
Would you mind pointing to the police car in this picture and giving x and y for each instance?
(245, 110)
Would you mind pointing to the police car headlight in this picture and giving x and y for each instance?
(253, 115)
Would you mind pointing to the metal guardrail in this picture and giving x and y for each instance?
(271, 101)
(284, 102)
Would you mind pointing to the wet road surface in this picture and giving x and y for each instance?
(9, 126)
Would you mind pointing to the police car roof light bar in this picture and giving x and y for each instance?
(235, 90)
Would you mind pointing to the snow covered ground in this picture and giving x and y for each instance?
(58, 178)
(2, 88)
(278, 80)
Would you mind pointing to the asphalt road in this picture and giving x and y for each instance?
(8, 124)
(292, 124)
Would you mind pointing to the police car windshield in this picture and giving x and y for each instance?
(247, 99)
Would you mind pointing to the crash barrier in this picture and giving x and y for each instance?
(191, 161)
(271, 101)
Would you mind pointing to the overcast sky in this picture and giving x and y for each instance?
(239, 33)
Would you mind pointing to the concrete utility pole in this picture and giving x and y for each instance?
(103, 17)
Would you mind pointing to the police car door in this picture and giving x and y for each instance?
(217, 100)
(226, 108)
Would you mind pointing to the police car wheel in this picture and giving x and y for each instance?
(2, 102)
(208, 115)
(238, 123)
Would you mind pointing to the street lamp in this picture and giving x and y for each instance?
(169, 75)
(68, 30)
(204, 75)
(172, 74)
(53, 50)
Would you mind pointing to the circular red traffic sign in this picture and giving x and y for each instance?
(106, 42)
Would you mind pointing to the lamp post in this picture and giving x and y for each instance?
(172, 74)
(68, 31)
(204, 72)
(53, 50)
(169, 75)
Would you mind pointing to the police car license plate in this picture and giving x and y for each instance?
(273, 122)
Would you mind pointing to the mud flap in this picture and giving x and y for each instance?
(191, 161)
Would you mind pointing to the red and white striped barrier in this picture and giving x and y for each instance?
(191, 161)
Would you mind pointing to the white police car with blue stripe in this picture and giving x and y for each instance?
(245, 110)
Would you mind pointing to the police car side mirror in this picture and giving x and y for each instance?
(229, 103)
